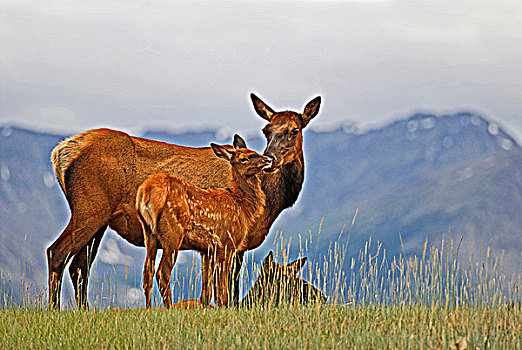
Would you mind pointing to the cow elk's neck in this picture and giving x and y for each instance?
(282, 188)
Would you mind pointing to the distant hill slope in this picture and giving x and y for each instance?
(32, 207)
(417, 177)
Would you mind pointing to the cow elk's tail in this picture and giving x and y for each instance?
(68, 151)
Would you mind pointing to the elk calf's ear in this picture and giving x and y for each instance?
(261, 108)
(239, 142)
(311, 110)
(222, 152)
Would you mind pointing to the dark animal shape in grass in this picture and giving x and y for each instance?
(278, 283)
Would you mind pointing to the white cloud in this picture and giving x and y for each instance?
(133, 296)
(123, 63)
(5, 174)
(111, 254)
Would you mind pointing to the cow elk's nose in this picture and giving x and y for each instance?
(272, 157)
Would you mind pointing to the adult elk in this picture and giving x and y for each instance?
(100, 170)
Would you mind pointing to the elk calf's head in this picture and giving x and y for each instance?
(244, 161)
(284, 132)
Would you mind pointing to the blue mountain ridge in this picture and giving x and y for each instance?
(419, 178)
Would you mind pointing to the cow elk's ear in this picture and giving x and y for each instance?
(239, 142)
(296, 266)
(261, 108)
(311, 110)
(222, 152)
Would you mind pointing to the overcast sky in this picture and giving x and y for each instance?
(73, 65)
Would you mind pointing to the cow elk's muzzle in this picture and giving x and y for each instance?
(272, 164)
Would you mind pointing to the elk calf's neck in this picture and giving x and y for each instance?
(176, 214)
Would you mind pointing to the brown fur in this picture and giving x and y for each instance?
(176, 215)
(66, 152)
(189, 304)
(100, 171)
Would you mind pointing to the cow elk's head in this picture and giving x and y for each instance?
(284, 132)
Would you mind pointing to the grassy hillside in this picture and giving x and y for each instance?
(368, 327)
(437, 300)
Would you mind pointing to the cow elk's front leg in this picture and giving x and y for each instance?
(223, 272)
(233, 281)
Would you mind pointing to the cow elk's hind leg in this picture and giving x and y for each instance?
(80, 230)
(56, 272)
(79, 270)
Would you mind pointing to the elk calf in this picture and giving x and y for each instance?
(177, 215)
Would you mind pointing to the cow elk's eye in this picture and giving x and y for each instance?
(243, 160)
(294, 131)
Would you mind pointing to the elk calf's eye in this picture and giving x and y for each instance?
(294, 131)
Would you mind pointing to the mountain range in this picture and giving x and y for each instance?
(422, 178)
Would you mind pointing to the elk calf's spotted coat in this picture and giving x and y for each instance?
(177, 215)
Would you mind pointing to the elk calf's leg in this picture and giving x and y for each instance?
(163, 275)
(223, 271)
(148, 268)
(233, 282)
(206, 280)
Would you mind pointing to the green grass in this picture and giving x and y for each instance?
(446, 298)
(284, 327)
